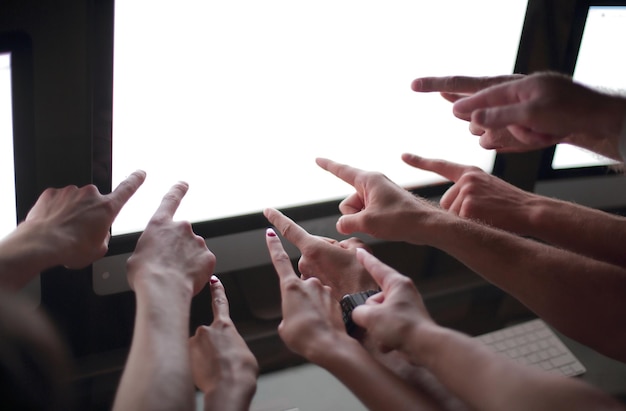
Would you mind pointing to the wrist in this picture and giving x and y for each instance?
(431, 229)
(539, 213)
(230, 394)
(26, 252)
(332, 351)
(423, 343)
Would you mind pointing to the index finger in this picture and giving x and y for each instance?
(125, 190)
(498, 95)
(171, 200)
(219, 302)
(287, 227)
(280, 259)
(380, 272)
(451, 171)
(459, 84)
(342, 171)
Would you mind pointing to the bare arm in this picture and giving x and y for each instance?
(169, 266)
(397, 319)
(67, 226)
(580, 296)
(484, 197)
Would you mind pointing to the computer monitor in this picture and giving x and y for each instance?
(569, 172)
(17, 149)
(238, 98)
(595, 62)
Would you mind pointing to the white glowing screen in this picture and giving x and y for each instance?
(238, 97)
(8, 212)
(599, 64)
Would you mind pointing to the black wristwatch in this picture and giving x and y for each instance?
(348, 303)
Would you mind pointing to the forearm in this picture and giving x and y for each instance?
(157, 375)
(375, 385)
(418, 377)
(469, 369)
(25, 253)
(581, 297)
(580, 229)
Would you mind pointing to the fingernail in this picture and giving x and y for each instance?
(214, 279)
(270, 232)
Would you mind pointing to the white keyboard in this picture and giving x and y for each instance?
(534, 343)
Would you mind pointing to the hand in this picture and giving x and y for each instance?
(311, 316)
(332, 262)
(543, 109)
(480, 196)
(379, 207)
(169, 251)
(221, 362)
(77, 220)
(455, 88)
(391, 316)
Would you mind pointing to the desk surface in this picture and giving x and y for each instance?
(605, 373)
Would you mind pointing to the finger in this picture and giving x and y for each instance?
(459, 84)
(280, 259)
(353, 243)
(342, 171)
(361, 315)
(219, 302)
(456, 205)
(351, 204)
(297, 235)
(452, 97)
(499, 95)
(447, 169)
(447, 199)
(125, 190)
(476, 130)
(171, 201)
(377, 269)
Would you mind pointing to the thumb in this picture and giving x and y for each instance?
(348, 224)
(361, 315)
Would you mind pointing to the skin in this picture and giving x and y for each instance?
(169, 266)
(223, 366)
(67, 226)
(397, 318)
(312, 322)
(334, 263)
(522, 113)
(481, 196)
(580, 296)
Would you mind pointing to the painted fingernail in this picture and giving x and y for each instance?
(214, 279)
(270, 232)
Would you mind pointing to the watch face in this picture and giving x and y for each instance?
(348, 303)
